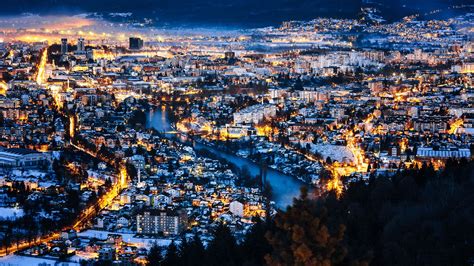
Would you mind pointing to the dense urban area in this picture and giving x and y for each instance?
(322, 142)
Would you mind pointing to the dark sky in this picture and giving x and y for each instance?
(224, 12)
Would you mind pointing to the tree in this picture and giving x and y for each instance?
(328, 160)
(255, 246)
(222, 250)
(172, 257)
(138, 117)
(191, 252)
(154, 256)
(398, 220)
(7, 238)
(303, 236)
(132, 171)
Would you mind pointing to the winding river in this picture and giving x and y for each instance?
(284, 187)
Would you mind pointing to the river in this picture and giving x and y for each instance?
(284, 187)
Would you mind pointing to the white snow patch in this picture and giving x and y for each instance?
(335, 152)
(15, 260)
(129, 238)
(28, 173)
(10, 213)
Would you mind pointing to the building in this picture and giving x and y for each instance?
(81, 47)
(156, 222)
(428, 153)
(63, 46)
(337, 112)
(229, 55)
(135, 43)
(467, 68)
(254, 114)
(236, 208)
(24, 158)
(68, 234)
(138, 161)
(107, 254)
(123, 221)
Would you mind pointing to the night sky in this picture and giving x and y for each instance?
(225, 12)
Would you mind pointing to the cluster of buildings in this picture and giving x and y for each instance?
(102, 135)
(385, 103)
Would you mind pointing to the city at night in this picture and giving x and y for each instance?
(236, 132)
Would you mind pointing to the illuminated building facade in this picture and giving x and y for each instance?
(24, 158)
(155, 222)
(81, 47)
(64, 49)
(135, 43)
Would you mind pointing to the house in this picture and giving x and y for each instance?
(100, 222)
(236, 208)
(115, 239)
(107, 254)
(123, 221)
(68, 234)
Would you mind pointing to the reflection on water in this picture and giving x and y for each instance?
(157, 119)
(284, 187)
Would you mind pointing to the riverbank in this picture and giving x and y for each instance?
(284, 171)
(284, 187)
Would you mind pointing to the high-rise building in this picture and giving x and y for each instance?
(135, 43)
(80, 45)
(155, 222)
(63, 46)
(229, 55)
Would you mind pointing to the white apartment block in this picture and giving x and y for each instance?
(254, 114)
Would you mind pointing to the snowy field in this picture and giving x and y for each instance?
(28, 173)
(335, 152)
(10, 213)
(15, 260)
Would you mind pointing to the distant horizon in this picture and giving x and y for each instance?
(225, 14)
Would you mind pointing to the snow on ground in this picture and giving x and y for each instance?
(94, 174)
(80, 255)
(10, 213)
(16, 260)
(46, 184)
(129, 238)
(27, 173)
(56, 154)
(335, 152)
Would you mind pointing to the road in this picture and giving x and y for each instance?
(86, 215)
(24, 245)
(120, 182)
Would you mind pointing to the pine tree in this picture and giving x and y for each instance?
(172, 257)
(192, 252)
(222, 250)
(154, 255)
(255, 246)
